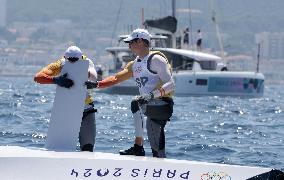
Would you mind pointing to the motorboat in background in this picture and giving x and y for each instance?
(195, 73)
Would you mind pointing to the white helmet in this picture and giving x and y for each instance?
(73, 52)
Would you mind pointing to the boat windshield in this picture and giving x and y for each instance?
(208, 65)
(180, 62)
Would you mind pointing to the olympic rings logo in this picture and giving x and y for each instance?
(215, 176)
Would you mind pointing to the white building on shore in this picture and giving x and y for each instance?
(272, 44)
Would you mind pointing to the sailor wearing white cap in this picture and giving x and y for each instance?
(152, 73)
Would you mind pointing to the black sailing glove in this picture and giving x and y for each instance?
(63, 81)
(91, 84)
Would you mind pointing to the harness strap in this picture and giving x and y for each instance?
(162, 141)
(150, 59)
(89, 110)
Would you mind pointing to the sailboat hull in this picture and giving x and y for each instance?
(19, 163)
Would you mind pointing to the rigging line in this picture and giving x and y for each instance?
(190, 22)
(219, 38)
(116, 22)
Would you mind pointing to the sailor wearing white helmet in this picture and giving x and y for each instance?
(51, 74)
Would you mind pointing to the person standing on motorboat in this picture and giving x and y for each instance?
(186, 38)
(152, 73)
(99, 70)
(51, 74)
(199, 40)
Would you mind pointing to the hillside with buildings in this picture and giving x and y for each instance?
(34, 32)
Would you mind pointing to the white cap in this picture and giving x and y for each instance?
(138, 33)
(73, 51)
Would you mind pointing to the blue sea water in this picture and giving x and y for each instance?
(226, 130)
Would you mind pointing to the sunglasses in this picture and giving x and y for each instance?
(134, 40)
(72, 59)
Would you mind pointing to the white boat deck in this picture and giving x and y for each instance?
(19, 163)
